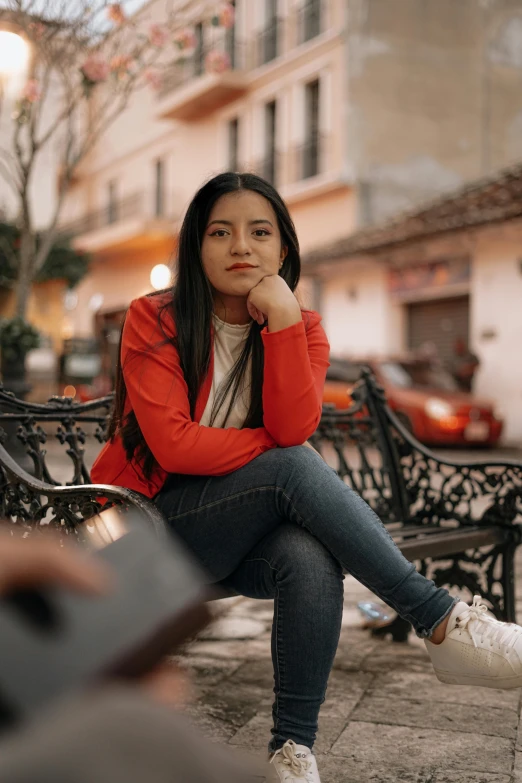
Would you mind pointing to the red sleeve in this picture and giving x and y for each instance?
(158, 394)
(296, 360)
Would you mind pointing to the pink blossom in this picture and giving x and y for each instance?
(121, 63)
(185, 38)
(37, 29)
(227, 15)
(95, 69)
(116, 13)
(158, 35)
(153, 78)
(32, 91)
(217, 61)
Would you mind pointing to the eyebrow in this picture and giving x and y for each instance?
(229, 222)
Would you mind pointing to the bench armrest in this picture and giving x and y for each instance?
(477, 492)
(30, 502)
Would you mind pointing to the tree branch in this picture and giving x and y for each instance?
(12, 258)
(7, 176)
(49, 235)
(10, 160)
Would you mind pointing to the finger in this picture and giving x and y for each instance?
(43, 562)
(252, 311)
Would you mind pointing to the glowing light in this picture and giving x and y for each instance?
(160, 277)
(14, 54)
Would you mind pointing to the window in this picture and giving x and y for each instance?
(269, 36)
(418, 375)
(198, 51)
(233, 144)
(310, 20)
(310, 162)
(112, 205)
(269, 167)
(159, 188)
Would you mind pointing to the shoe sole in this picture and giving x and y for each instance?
(502, 683)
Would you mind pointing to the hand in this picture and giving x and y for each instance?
(168, 684)
(44, 561)
(272, 297)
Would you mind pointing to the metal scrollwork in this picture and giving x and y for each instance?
(57, 492)
(410, 487)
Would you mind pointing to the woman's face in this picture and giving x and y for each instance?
(241, 244)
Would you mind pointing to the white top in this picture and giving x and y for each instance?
(229, 340)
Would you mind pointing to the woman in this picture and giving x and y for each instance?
(219, 388)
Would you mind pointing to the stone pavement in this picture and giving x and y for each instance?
(386, 718)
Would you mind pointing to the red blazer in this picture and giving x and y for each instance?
(296, 360)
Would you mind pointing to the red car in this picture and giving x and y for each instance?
(426, 398)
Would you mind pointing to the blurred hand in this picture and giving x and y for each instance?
(168, 684)
(43, 561)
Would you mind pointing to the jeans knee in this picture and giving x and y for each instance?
(294, 460)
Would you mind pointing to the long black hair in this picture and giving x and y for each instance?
(191, 306)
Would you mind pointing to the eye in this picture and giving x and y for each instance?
(219, 232)
(262, 232)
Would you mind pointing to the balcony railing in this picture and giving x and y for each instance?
(142, 204)
(268, 43)
(192, 67)
(279, 36)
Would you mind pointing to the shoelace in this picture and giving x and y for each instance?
(296, 765)
(482, 626)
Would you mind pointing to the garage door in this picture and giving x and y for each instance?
(441, 322)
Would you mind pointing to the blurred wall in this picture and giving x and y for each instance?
(434, 97)
(496, 321)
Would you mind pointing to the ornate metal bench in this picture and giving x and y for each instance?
(460, 522)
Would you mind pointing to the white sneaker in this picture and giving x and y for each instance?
(295, 764)
(478, 649)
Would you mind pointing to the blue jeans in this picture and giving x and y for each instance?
(285, 526)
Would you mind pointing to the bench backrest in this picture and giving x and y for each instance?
(360, 444)
(58, 441)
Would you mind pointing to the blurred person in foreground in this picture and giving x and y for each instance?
(114, 733)
(219, 387)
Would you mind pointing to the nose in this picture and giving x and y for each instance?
(240, 245)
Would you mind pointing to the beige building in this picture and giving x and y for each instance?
(356, 109)
(278, 111)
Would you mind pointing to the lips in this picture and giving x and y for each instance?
(240, 266)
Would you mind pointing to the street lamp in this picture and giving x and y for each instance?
(14, 60)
